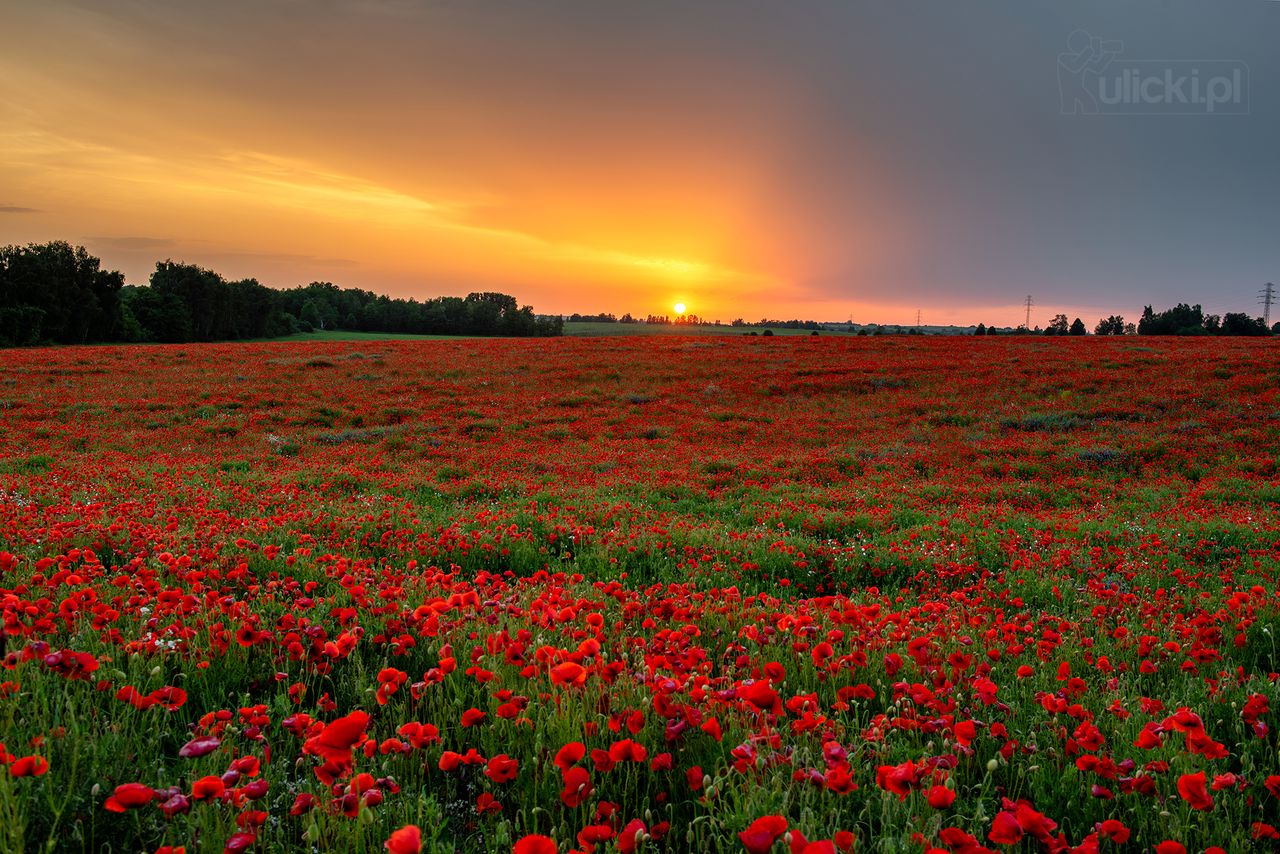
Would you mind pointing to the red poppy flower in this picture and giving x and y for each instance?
(535, 844)
(899, 779)
(694, 776)
(338, 737)
(239, 842)
(1192, 788)
(602, 761)
(627, 750)
(129, 796)
(568, 673)
(570, 755)
(1114, 830)
(419, 734)
(940, 797)
(175, 805)
(169, 698)
(29, 766)
(630, 835)
(207, 788)
(501, 768)
(760, 835)
(577, 787)
(1005, 829)
(304, 803)
(199, 746)
(761, 696)
(840, 781)
(594, 834)
(406, 840)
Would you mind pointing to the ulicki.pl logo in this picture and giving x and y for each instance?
(1094, 78)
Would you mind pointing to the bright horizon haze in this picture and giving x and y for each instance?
(817, 159)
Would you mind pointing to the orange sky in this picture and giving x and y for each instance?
(143, 145)
(594, 161)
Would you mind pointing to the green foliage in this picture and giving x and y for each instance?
(57, 293)
(1185, 319)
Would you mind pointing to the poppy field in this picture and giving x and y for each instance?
(730, 594)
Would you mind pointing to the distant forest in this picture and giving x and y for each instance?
(57, 293)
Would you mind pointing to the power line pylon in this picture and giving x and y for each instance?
(1027, 325)
(1267, 296)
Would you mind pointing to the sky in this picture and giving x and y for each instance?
(816, 159)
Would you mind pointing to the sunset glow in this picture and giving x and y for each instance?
(378, 144)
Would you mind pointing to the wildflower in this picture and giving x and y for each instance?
(760, 835)
(406, 840)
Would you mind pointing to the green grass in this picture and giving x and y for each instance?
(593, 329)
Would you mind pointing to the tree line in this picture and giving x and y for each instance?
(57, 293)
(1182, 319)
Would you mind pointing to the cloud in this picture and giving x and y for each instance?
(17, 209)
(130, 244)
(288, 258)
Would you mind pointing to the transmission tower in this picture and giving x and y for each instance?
(917, 318)
(1267, 296)
(1027, 325)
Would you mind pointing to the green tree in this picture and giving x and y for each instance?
(1235, 323)
(161, 315)
(1113, 325)
(1182, 319)
(312, 314)
(201, 293)
(57, 292)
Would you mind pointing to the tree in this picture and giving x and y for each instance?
(312, 314)
(202, 295)
(1077, 327)
(1182, 319)
(1235, 323)
(1113, 325)
(981, 330)
(54, 292)
(1057, 326)
(161, 315)
(57, 292)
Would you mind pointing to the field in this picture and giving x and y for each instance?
(594, 328)
(641, 594)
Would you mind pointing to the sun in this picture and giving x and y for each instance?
(680, 308)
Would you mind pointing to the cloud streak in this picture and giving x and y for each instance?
(814, 156)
